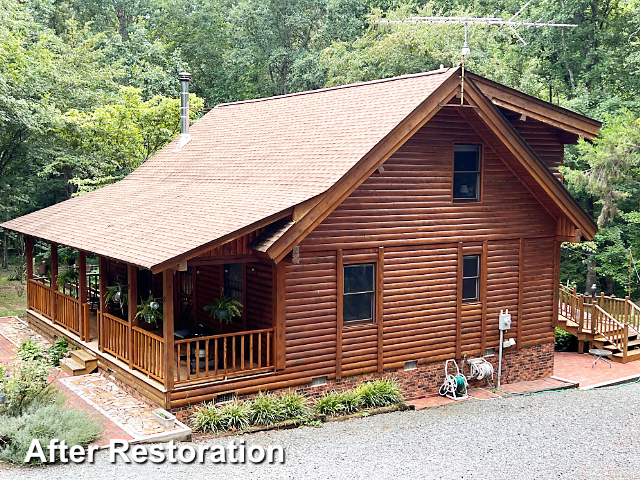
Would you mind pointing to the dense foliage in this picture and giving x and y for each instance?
(88, 88)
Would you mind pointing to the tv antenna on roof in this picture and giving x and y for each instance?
(466, 21)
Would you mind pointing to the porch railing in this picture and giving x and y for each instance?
(148, 353)
(67, 312)
(39, 298)
(115, 336)
(224, 355)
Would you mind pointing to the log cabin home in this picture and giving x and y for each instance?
(374, 229)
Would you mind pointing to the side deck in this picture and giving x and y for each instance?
(605, 322)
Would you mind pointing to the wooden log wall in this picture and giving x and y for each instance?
(239, 246)
(259, 295)
(407, 209)
(208, 288)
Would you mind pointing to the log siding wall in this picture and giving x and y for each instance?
(407, 210)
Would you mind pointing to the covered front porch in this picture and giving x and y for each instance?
(98, 309)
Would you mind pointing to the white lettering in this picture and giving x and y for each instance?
(63, 451)
(138, 453)
(119, 447)
(156, 454)
(52, 450)
(183, 456)
(172, 451)
(202, 449)
(252, 451)
(91, 452)
(271, 451)
(218, 454)
(35, 451)
(77, 454)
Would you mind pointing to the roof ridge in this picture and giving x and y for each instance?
(338, 87)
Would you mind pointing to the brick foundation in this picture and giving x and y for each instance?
(528, 363)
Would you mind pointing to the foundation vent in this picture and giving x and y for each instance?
(412, 365)
(316, 382)
(489, 352)
(225, 397)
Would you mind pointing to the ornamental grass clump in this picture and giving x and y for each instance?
(236, 415)
(266, 409)
(208, 418)
(294, 406)
(379, 393)
(334, 403)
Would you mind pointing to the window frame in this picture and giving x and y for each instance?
(479, 173)
(477, 276)
(344, 295)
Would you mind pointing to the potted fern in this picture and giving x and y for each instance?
(224, 308)
(150, 311)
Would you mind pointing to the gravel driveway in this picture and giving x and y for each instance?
(546, 436)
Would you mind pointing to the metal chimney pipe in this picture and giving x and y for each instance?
(184, 77)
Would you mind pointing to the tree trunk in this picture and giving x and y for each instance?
(609, 286)
(5, 246)
(591, 275)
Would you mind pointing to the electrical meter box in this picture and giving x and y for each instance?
(504, 320)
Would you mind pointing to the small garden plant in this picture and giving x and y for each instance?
(269, 409)
(34, 408)
(30, 350)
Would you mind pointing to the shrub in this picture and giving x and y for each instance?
(564, 340)
(334, 403)
(25, 384)
(379, 393)
(208, 418)
(236, 415)
(57, 351)
(266, 410)
(30, 350)
(294, 406)
(44, 422)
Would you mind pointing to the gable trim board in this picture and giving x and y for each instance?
(511, 99)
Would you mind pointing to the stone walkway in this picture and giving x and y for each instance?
(124, 417)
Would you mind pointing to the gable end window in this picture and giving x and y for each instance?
(466, 172)
(358, 298)
(471, 277)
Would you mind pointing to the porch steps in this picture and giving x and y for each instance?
(80, 363)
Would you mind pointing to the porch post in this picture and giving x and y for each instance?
(132, 280)
(279, 320)
(103, 292)
(168, 326)
(82, 295)
(28, 246)
(54, 279)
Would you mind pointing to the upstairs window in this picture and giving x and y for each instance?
(466, 173)
(358, 298)
(471, 277)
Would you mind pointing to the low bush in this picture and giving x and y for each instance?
(294, 406)
(208, 418)
(44, 422)
(565, 341)
(379, 393)
(25, 383)
(30, 350)
(266, 410)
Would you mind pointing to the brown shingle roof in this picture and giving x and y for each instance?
(246, 162)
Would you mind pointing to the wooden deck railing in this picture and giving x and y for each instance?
(39, 298)
(148, 353)
(229, 354)
(116, 336)
(67, 312)
(607, 326)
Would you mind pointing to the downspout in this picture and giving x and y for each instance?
(184, 138)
